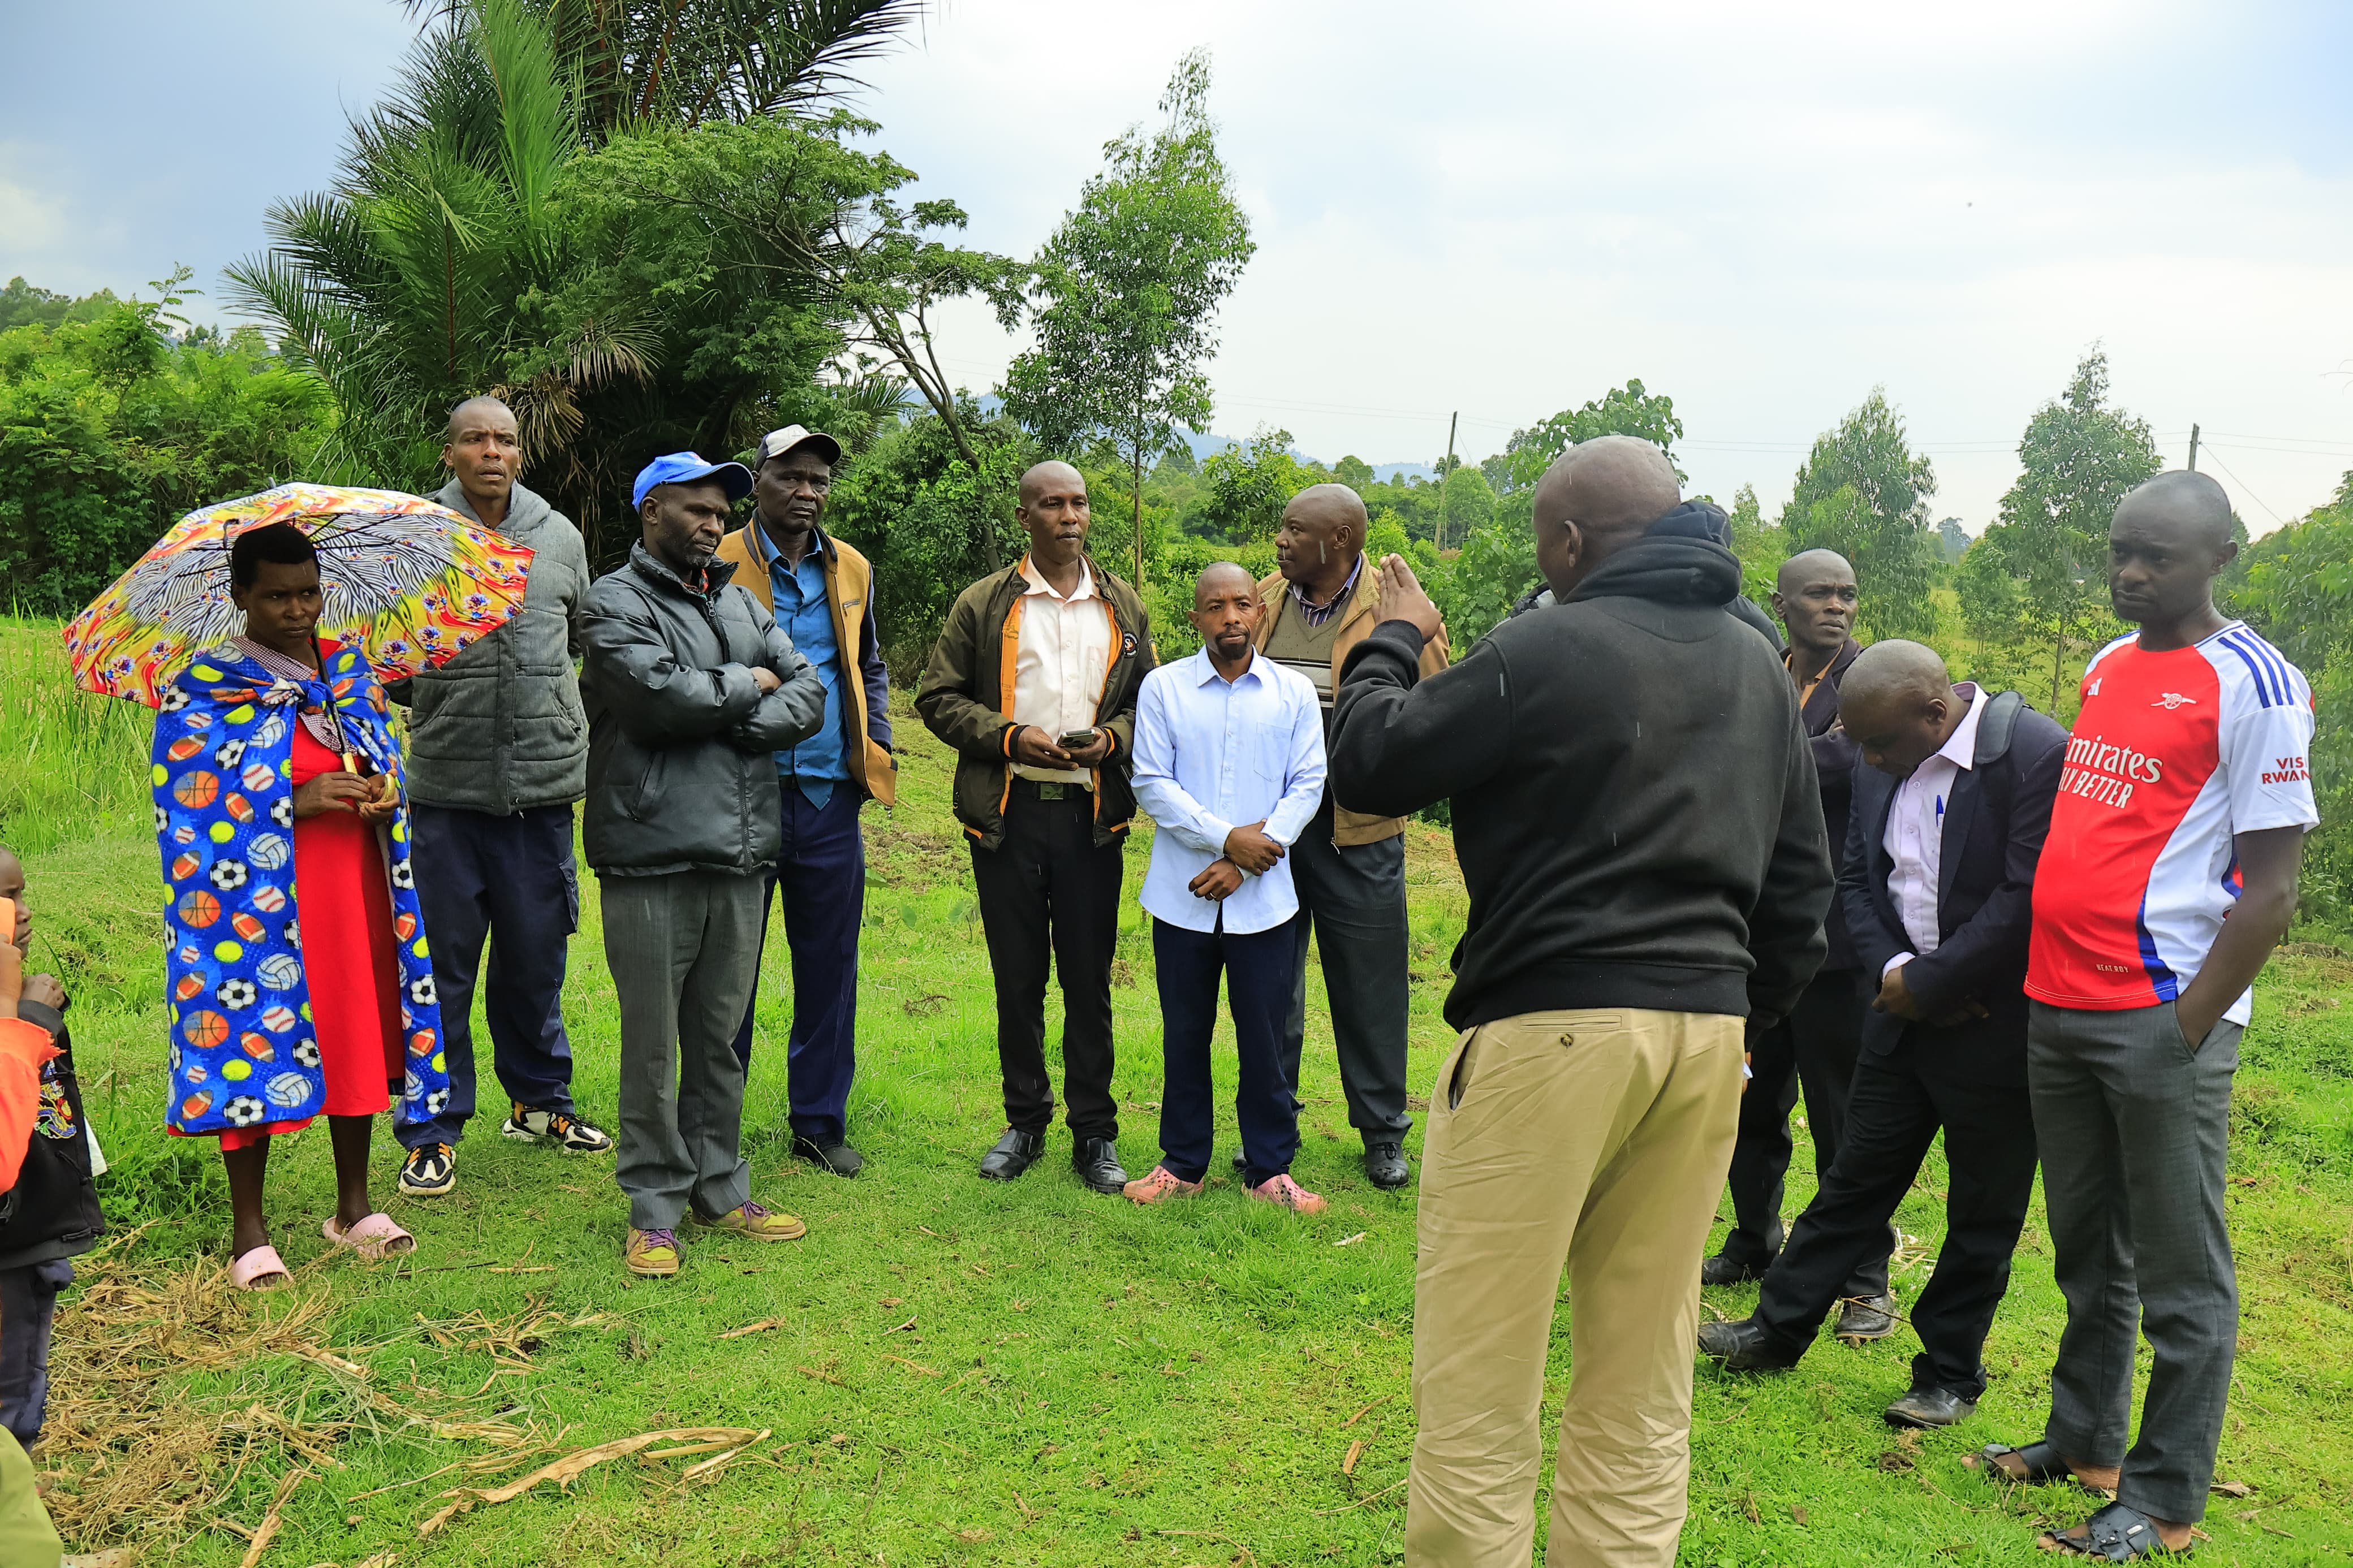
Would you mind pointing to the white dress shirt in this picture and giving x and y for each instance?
(1211, 753)
(1057, 671)
(1915, 833)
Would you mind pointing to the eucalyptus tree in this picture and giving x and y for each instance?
(1123, 295)
(1864, 493)
(2039, 575)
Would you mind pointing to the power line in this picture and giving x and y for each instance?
(2259, 501)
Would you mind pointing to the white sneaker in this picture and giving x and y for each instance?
(560, 1128)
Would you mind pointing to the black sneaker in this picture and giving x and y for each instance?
(430, 1171)
(838, 1157)
(530, 1125)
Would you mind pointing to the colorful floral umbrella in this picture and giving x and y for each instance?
(409, 580)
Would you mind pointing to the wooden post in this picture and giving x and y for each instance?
(1445, 474)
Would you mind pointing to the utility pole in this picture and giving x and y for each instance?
(1447, 472)
(2193, 448)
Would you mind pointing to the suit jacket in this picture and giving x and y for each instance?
(1993, 833)
(1835, 760)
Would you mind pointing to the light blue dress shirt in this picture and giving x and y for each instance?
(1211, 754)
(818, 763)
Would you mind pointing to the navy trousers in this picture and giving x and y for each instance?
(29, 1304)
(1259, 969)
(510, 880)
(822, 873)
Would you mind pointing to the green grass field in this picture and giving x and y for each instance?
(952, 1372)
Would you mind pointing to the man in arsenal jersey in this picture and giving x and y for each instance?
(2168, 875)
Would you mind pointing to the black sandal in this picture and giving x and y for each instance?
(2116, 1534)
(2043, 1463)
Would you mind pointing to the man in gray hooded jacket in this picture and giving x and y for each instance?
(498, 751)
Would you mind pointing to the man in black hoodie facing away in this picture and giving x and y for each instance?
(1639, 826)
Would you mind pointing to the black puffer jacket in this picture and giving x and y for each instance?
(1635, 808)
(681, 765)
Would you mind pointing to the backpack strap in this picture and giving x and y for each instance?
(1994, 729)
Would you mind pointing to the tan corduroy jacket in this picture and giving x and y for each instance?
(1356, 621)
(849, 594)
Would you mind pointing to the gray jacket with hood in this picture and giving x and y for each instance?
(500, 728)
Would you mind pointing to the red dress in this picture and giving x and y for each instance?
(351, 960)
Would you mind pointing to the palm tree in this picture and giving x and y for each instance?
(693, 61)
(444, 261)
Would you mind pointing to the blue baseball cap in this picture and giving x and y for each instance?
(684, 467)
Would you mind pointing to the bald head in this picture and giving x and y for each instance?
(482, 410)
(1321, 538)
(1225, 612)
(1050, 475)
(1595, 499)
(1898, 705)
(1809, 566)
(1814, 594)
(2189, 504)
(1221, 577)
(485, 452)
(2168, 542)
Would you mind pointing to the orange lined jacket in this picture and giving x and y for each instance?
(967, 698)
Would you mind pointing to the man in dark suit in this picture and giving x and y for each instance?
(1947, 823)
(1816, 1045)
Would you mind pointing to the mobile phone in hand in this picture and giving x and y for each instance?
(1077, 739)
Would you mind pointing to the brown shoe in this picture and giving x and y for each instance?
(758, 1222)
(653, 1253)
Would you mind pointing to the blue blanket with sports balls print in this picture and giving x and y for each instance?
(242, 1051)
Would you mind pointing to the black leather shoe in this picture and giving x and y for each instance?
(1930, 1407)
(1726, 1269)
(1015, 1153)
(1240, 1165)
(837, 1156)
(1385, 1164)
(1744, 1346)
(1859, 1323)
(1096, 1160)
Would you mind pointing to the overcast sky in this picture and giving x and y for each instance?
(1503, 209)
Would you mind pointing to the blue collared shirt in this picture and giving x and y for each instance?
(819, 762)
(1211, 753)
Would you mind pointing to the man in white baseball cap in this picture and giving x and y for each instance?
(821, 593)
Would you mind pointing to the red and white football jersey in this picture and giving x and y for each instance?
(2172, 755)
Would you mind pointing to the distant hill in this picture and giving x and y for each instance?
(1206, 444)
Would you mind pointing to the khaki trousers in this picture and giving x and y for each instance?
(1598, 1138)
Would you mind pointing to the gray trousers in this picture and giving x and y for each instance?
(1355, 898)
(2134, 1129)
(684, 950)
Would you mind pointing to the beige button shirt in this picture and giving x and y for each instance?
(1058, 673)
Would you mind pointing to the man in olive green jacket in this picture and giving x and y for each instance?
(1349, 866)
(1033, 683)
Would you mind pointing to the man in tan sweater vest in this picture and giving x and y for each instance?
(1348, 867)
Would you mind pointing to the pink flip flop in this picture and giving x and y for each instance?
(259, 1269)
(373, 1237)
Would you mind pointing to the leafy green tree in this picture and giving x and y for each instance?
(1627, 410)
(116, 419)
(1354, 473)
(2038, 576)
(668, 285)
(1125, 290)
(1759, 544)
(1248, 486)
(1466, 503)
(1881, 524)
(919, 511)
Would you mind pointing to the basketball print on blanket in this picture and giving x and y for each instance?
(241, 1051)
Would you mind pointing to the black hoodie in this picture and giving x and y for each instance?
(1634, 801)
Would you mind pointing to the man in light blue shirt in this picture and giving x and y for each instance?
(1230, 764)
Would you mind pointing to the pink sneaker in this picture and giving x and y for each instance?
(1289, 1194)
(1158, 1183)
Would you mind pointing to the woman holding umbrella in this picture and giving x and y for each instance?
(298, 970)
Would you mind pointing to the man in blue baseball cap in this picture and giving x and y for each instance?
(690, 689)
